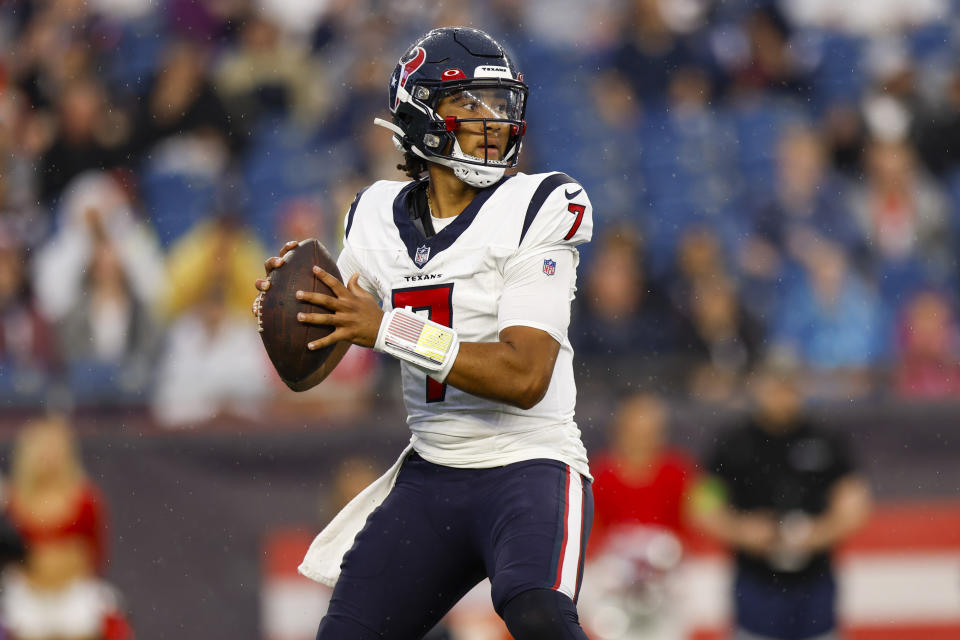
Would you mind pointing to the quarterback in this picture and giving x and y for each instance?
(465, 274)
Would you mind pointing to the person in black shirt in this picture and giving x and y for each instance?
(781, 492)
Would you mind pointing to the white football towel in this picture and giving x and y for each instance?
(322, 562)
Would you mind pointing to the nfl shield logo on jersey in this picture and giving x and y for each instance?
(423, 254)
(549, 266)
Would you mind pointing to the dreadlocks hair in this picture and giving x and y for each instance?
(413, 165)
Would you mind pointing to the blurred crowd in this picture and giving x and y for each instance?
(771, 180)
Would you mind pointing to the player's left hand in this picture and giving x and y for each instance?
(355, 316)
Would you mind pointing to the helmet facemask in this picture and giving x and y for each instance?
(490, 110)
(492, 115)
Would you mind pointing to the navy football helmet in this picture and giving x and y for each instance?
(471, 67)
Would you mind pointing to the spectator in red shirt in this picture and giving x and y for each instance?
(928, 362)
(640, 493)
(639, 480)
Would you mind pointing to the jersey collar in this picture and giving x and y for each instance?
(421, 250)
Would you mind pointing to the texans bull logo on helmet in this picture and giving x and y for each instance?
(406, 68)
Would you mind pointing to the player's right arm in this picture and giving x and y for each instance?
(516, 369)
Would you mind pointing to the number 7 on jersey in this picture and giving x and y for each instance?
(437, 301)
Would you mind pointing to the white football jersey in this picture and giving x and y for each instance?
(508, 259)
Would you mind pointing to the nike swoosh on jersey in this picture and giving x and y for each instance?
(571, 196)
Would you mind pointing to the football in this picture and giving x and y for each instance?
(284, 337)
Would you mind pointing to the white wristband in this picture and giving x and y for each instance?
(428, 345)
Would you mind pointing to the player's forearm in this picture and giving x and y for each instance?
(500, 371)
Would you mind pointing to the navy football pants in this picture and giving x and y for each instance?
(442, 530)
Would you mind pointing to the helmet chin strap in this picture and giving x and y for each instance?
(475, 175)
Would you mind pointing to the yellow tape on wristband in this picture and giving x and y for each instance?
(434, 343)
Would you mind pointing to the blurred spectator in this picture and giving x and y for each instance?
(270, 75)
(29, 357)
(650, 50)
(57, 509)
(623, 316)
(829, 318)
(724, 344)
(639, 479)
(109, 340)
(86, 137)
(213, 365)
(900, 210)
(96, 215)
(808, 203)
(98, 279)
(641, 491)
(700, 258)
(720, 338)
(181, 100)
(59, 513)
(928, 364)
(218, 252)
(57, 46)
(766, 63)
(20, 213)
(782, 493)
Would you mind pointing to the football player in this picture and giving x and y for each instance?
(465, 274)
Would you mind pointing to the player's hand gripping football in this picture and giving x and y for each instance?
(356, 314)
(263, 284)
(269, 265)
